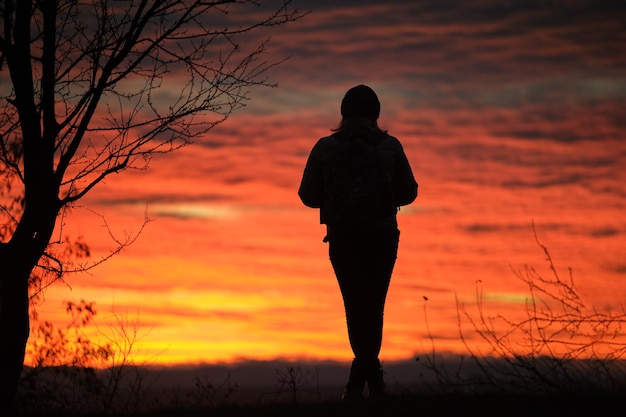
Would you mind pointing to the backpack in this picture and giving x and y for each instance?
(358, 186)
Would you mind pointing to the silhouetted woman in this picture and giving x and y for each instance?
(362, 252)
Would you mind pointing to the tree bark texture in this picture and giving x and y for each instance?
(14, 322)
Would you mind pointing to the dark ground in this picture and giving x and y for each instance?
(436, 405)
(447, 405)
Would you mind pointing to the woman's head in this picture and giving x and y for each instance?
(360, 101)
(360, 109)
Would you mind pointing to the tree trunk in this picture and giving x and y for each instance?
(18, 258)
(14, 322)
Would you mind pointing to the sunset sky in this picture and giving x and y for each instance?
(511, 113)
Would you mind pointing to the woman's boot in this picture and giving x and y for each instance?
(356, 381)
(375, 380)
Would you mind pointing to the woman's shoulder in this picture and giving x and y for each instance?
(328, 140)
(391, 143)
(327, 143)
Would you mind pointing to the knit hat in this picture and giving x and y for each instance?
(360, 101)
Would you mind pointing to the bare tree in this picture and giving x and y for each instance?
(80, 86)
